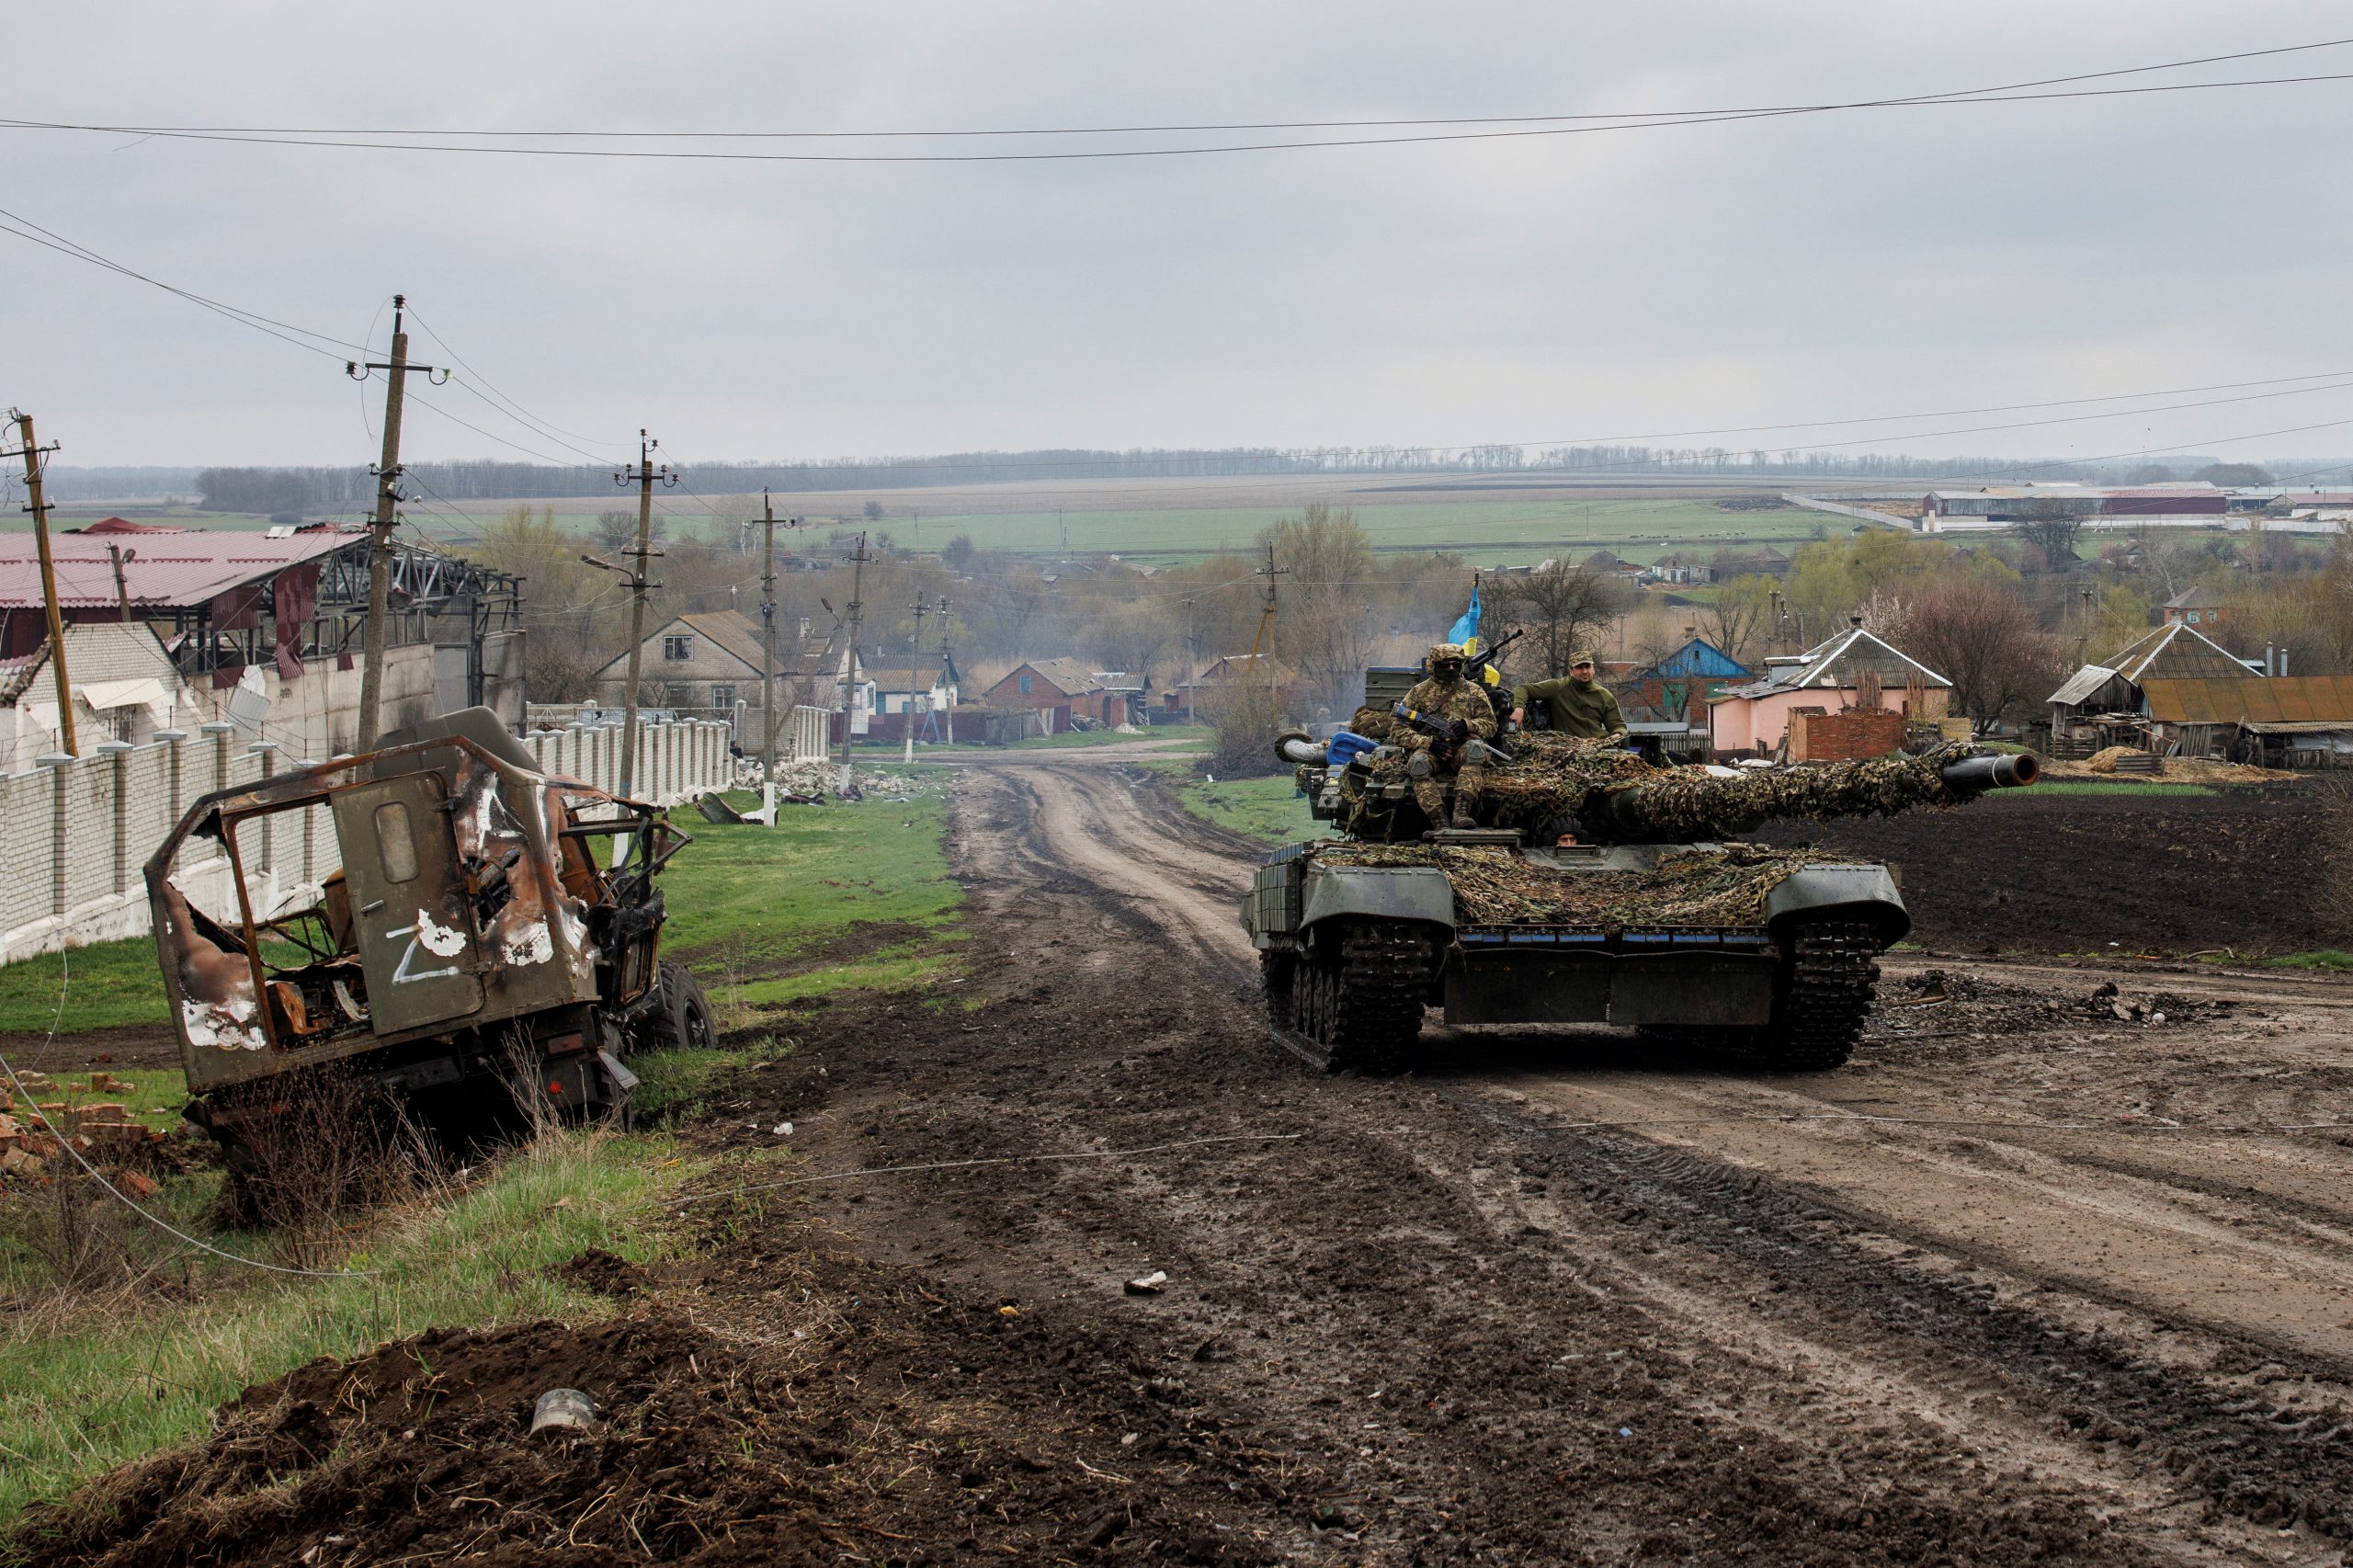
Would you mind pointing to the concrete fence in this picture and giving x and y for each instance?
(76, 832)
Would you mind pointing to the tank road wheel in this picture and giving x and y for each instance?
(1376, 988)
(1277, 981)
(1821, 1000)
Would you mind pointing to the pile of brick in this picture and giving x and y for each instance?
(33, 1139)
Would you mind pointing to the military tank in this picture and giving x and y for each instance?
(1599, 888)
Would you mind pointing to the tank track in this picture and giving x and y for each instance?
(1359, 1006)
(1820, 1009)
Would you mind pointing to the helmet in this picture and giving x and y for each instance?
(1445, 653)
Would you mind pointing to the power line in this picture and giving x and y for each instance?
(48, 240)
(1919, 101)
(1545, 124)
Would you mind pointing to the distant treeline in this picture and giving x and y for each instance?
(69, 484)
(316, 490)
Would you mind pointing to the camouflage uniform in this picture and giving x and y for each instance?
(1444, 700)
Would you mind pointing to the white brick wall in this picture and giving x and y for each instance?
(119, 806)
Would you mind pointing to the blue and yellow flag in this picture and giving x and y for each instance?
(1468, 626)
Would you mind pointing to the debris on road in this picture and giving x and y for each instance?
(1150, 1285)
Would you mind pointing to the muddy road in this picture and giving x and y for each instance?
(2043, 1277)
(2039, 1273)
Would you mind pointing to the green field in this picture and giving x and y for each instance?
(1491, 529)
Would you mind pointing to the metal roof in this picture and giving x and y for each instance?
(2082, 685)
(2177, 650)
(181, 569)
(1834, 665)
(2263, 699)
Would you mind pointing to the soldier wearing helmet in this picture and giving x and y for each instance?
(1442, 698)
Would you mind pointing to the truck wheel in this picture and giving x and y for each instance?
(682, 1019)
(1821, 1001)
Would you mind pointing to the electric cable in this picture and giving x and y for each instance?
(1543, 126)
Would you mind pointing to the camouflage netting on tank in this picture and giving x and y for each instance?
(1710, 889)
(1557, 776)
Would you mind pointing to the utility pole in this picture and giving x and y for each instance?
(945, 660)
(644, 473)
(1192, 659)
(849, 661)
(380, 552)
(1271, 571)
(117, 554)
(31, 452)
(914, 655)
(768, 640)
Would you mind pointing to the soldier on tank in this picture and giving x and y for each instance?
(1442, 699)
(1576, 703)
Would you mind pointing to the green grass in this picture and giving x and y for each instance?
(2085, 787)
(89, 1384)
(2331, 960)
(112, 985)
(1270, 809)
(1112, 737)
(756, 912)
(82, 1392)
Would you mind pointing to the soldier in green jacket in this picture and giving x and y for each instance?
(1576, 703)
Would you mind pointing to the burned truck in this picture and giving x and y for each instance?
(1598, 887)
(487, 950)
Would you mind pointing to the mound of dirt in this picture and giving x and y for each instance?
(418, 1450)
(2048, 873)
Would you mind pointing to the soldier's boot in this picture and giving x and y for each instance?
(1464, 818)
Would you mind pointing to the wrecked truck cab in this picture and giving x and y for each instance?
(470, 952)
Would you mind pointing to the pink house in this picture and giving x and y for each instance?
(1832, 675)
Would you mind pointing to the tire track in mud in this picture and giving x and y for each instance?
(2050, 1369)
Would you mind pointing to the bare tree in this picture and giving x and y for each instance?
(2051, 523)
(1327, 630)
(1564, 608)
(1740, 617)
(1977, 633)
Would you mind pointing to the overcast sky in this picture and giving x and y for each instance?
(1874, 262)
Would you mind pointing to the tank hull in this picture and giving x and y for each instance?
(1788, 984)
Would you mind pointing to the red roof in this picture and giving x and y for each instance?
(125, 526)
(189, 568)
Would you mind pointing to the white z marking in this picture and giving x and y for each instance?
(401, 975)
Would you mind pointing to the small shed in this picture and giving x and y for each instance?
(2102, 704)
(2253, 718)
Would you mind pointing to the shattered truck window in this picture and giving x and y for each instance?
(395, 843)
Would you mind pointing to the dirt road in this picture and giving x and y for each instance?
(2041, 1277)
(2080, 1277)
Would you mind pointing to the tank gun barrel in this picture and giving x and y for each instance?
(1996, 770)
(1688, 805)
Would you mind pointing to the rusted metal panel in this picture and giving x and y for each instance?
(414, 932)
(2254, 698)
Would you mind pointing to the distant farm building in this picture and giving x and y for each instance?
(2006, 506)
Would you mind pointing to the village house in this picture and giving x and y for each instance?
(1854, 670)
(1059, 691)
(266, 630)
(2201, 607)
(1668, 697)
(707, 664)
